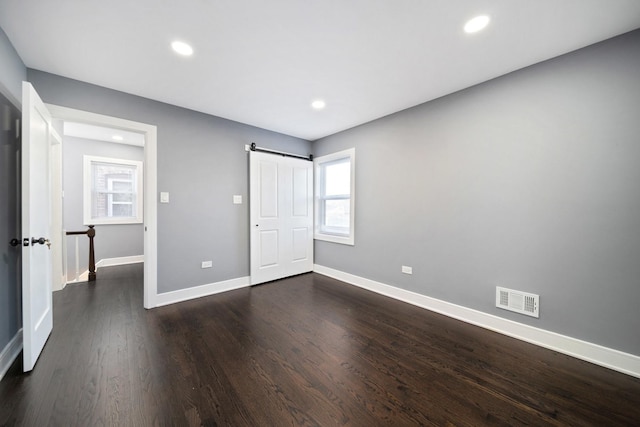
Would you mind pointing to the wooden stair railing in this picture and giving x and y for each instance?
(92, 259)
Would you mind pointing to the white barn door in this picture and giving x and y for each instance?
(281, 216)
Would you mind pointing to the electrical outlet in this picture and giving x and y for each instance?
(207, 264)
(407, 270)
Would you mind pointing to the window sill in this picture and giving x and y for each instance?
(343, 240)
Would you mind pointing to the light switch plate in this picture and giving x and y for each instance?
(237, 200)
(164, 197)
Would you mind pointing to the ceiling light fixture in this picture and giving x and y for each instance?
(318, 104)
(182, 48)
(476, 24)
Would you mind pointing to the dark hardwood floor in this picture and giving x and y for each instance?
(307, 350)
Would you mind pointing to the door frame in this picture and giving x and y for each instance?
(150, 186)
(57, 238)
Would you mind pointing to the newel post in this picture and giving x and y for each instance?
(92, 259)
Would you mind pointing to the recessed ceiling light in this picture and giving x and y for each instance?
(476, 24)
(182, 48)
(117, 138)
(318, 104)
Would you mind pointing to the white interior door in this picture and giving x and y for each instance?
(281, 215)
(37, 312)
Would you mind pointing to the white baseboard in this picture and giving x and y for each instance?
(123, 260)
(201, 291)
(613, 359)
(10, 352)
(108, 262)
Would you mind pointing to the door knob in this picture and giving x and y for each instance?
(41, 241)
(14, 242)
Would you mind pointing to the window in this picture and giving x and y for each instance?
(112, 191)
(334, 197)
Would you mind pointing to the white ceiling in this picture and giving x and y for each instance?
(263, 62)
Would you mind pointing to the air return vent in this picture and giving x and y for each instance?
(520, 302)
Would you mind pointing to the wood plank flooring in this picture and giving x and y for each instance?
(307, 350)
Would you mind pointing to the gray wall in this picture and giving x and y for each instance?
(201, 163)
(112, 240)
(12, 72)
(10, 286)
(530, 181)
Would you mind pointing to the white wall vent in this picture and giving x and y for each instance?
(520, 302)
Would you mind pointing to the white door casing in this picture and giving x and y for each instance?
(281, 216)
(37, 310)
(58, 278)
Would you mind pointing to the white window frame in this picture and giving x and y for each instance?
(326, 234)
(110, 201)
(88, 192)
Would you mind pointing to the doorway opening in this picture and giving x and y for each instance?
(148, 227)
(103, 186)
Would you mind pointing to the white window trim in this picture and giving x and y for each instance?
(317, 162)
(86, 192)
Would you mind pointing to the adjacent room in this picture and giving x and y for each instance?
(328, 213)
